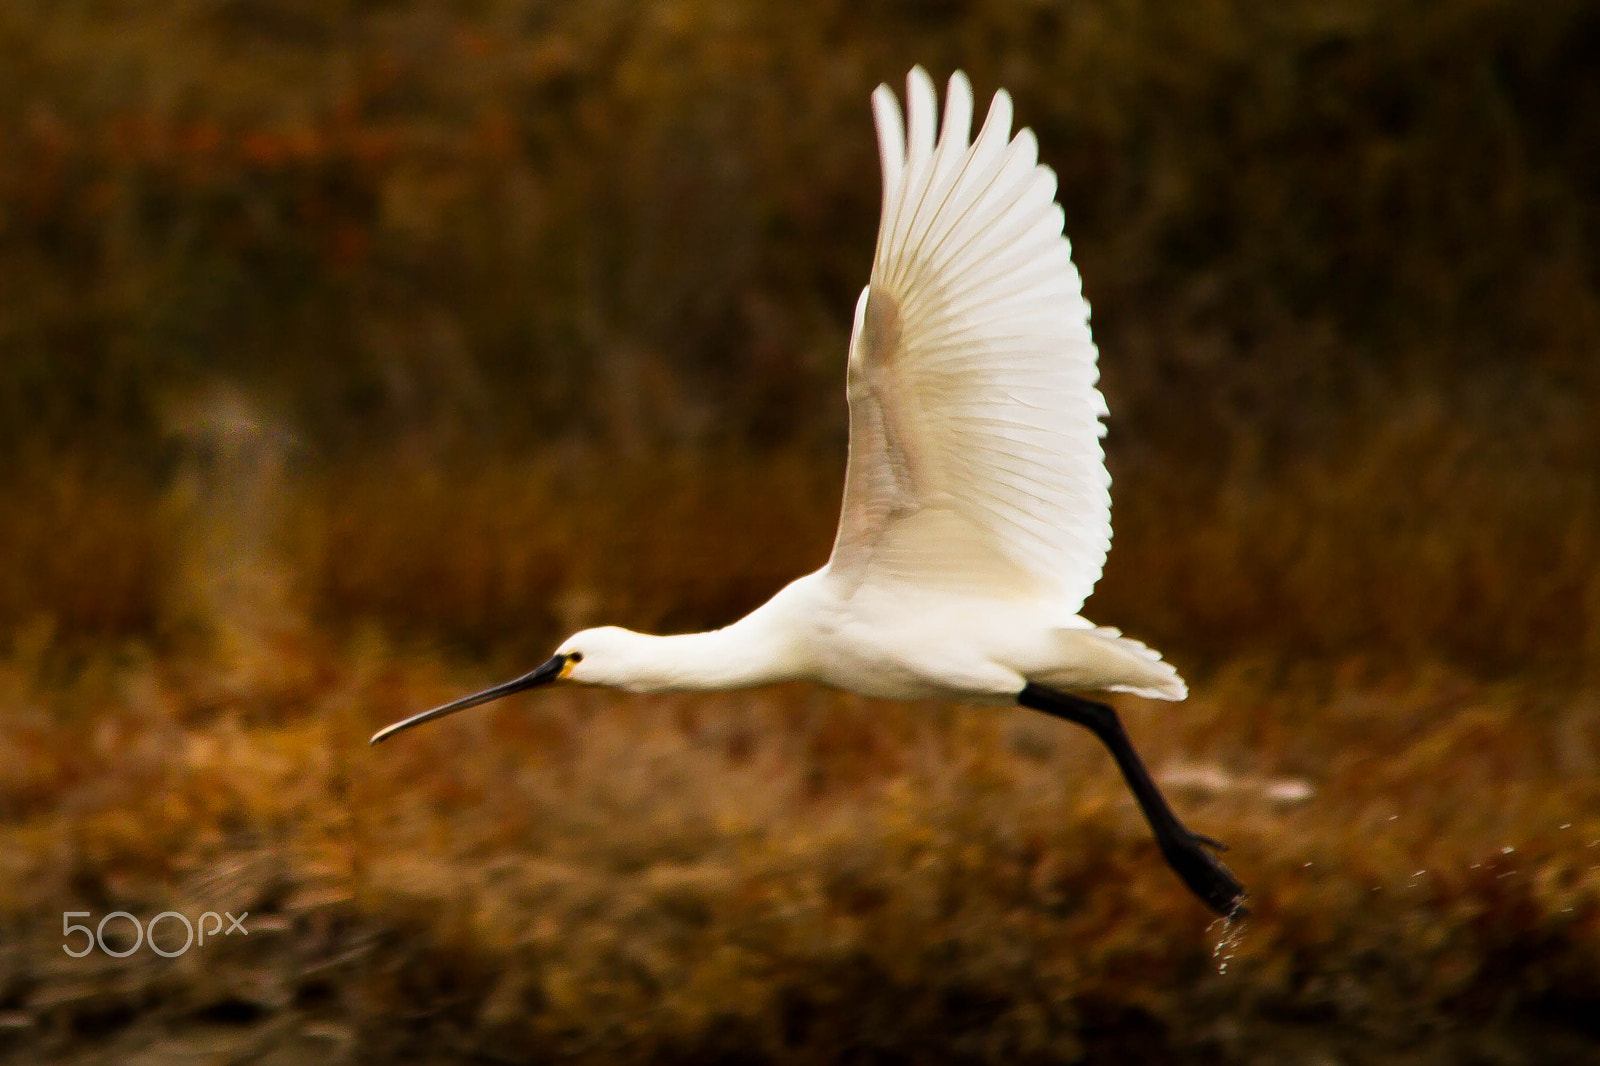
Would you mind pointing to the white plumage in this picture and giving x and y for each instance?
(976, 514)
(972, 372)
(976, 472)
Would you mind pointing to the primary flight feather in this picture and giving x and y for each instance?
(977, 511)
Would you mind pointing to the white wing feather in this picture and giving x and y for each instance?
(975, 457)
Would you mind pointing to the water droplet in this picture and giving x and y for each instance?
(1225, 948)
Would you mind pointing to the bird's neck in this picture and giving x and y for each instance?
(765, 646)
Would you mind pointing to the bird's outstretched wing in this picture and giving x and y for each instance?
(975, 457)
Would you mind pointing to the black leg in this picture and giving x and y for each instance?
(1185, 852)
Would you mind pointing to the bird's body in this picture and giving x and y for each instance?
(889, 642)
(976, 513)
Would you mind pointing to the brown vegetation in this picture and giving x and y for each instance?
(351, 353)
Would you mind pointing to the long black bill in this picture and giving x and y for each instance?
(546, 673)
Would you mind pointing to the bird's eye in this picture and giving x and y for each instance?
(574, 656)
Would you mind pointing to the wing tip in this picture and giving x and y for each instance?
(922, 113)
(1002, 110)
(956, 134)
(890, 123)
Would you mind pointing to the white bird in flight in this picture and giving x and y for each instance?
(977, 506)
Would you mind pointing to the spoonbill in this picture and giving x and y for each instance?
(977, 506)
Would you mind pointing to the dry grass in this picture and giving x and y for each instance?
(786, 875)
(790, 875)
(1433, 535)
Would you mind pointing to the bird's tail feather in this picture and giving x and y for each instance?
(1105, 659)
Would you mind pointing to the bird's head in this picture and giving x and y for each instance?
(605, 656)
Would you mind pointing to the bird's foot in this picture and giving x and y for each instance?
(1204, 874)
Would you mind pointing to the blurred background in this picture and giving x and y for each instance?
(354, 351)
